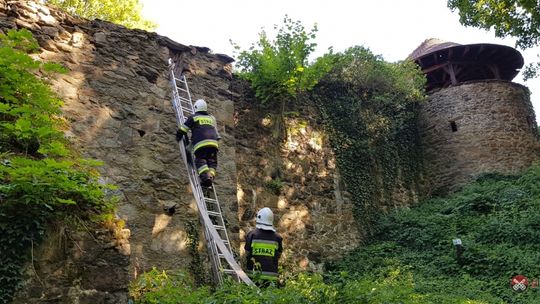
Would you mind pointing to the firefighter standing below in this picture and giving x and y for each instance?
(264, 247)
(204, 138)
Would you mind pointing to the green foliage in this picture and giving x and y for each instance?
(279, 69)
(396, 287)
(47, 182)
(369, 109)
(531, 70)
(161, 287)
(124, 12)
(196, 267)
(40, 177)
(497, 218)
(516, 18)
(274, 186)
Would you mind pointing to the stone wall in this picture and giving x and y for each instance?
(312, 211)
(87, 266)
(117, 99)
(475, 128)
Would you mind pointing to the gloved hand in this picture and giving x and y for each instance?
(179, 135)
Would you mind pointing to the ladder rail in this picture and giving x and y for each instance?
(218, 246)
(220, 218)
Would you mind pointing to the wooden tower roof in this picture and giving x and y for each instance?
(449, 63)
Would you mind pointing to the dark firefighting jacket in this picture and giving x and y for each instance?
(263, 248)
(203, 130)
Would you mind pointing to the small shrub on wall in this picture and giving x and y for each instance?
(279, 69)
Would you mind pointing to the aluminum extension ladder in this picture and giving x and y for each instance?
(215, 231)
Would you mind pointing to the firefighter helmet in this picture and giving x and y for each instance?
(200, 106)
(265, 219)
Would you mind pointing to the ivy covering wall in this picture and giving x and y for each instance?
(370, 110)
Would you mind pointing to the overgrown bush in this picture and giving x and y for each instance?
(398, 287)
(498, 220)
(41, 178)
(279, 69)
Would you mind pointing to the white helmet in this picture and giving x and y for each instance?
(200, 106)
(265, 219)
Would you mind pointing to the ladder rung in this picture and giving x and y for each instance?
(210, 200)
(220, 260)
(213, 213)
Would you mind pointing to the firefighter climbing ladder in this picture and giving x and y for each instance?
(215, 231)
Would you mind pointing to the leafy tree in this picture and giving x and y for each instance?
(279, 69)
(514, 18)
(124, 12)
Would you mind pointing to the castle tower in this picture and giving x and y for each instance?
(476, 120)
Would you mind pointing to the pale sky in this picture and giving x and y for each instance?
(391, 28)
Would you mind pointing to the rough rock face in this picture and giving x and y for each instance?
(117, 99)
(477, 127)
(82, 267)
(297, 179)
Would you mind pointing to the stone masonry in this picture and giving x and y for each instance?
(312, 211)
(477, 127)
(117, 100)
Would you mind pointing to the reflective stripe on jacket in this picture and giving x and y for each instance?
(203, 130)
(263, 248)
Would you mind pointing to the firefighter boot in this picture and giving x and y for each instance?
(206, 180)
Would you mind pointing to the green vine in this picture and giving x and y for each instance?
(41, 178)
(196, 267)
(369, 109)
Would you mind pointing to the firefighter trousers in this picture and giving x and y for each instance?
(206, 162)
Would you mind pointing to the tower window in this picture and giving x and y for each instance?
(453, 126)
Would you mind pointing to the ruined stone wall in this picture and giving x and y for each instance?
(297, 178)
(475, 128)
(117, 99)
(85, 266)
